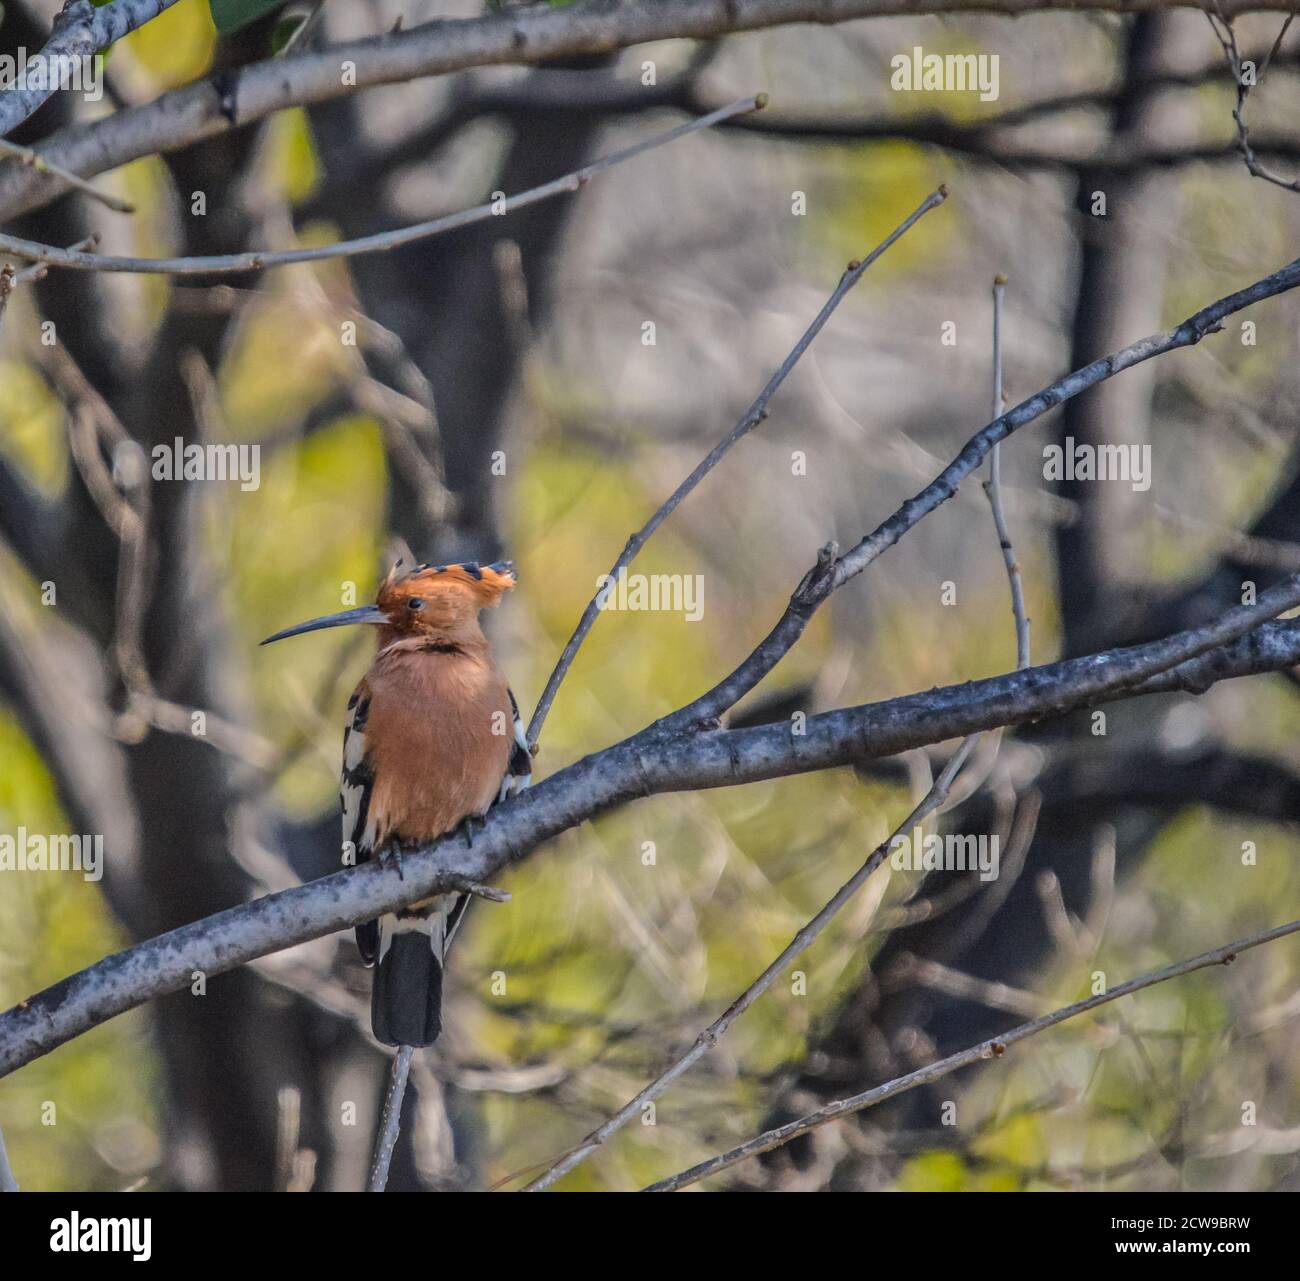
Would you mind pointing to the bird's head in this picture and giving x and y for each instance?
(428, 603)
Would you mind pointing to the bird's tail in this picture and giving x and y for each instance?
(406, 998)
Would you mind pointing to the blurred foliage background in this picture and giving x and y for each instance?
(527, 338)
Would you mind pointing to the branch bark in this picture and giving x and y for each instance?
(80, 31)
(381, 242)
(752, 417)
(646, 764)
(216, 105)
(834, 570)
(804, 939)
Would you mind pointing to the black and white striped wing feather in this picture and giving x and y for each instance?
(355, 786)
(519, 772)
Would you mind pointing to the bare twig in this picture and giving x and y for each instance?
(390, 1123)
(34, 160)
(801, 941)
(754, 415)
(288, 1124)
(261, 259)
(647, 763)
(1227, 36)
(993, 488)
(944, 978)
(390, 1126)
(993, 1048)
(38, 271)
(682, 752)
(834, 570)
(1023, 828)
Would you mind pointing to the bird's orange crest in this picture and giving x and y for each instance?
(442, 599)
(483, 584)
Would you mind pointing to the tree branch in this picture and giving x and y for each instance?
(803, 940)
(80, 31)
(33, 159)
(258, 260)
(648, 763)
(215, 105)
(993, 488)
(754, 415)
(993, 1048)
(390, 1125)
(833, 570)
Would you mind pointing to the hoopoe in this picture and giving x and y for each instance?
(433, 740)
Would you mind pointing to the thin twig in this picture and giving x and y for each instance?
(391, 1125)
(1227, 38)
(993, 489)
(39, 270)
(1023, 828)
(801, 941)
(302, 30)
(925, 972)
(1243, 641)
(833, 570)
(754, 415)
(34, 160)
(382, 241)
(1236, 644)
(993, 1048)
(288, 1126)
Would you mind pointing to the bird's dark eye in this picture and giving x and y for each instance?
(415, 604)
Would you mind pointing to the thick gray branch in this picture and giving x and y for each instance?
(80, 31)
(648, 763)
(209, 107)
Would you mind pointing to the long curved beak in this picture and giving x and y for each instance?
(366, 614)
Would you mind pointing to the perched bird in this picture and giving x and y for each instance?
(433, 740)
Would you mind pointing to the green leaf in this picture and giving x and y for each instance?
(231, 15)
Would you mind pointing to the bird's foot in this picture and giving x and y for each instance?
(391, 855)
(467, 826)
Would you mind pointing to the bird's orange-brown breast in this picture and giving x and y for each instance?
(438, 739)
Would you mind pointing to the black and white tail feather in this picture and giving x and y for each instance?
(408, 947)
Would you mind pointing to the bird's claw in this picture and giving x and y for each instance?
(391, 855)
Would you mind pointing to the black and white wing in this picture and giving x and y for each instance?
(519, 772)
(355, 786)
